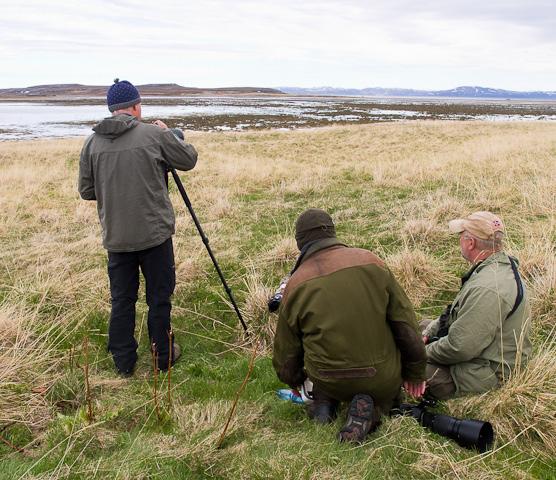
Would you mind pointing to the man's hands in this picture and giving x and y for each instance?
(415, 389)
(161, 124)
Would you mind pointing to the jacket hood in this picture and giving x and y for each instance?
(114, 127)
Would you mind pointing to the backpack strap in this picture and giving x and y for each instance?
(519, 284)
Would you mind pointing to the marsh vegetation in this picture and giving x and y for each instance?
(390, 187)
(59, 117)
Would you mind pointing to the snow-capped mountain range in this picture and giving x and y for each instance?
(459, 92)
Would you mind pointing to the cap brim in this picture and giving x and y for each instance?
(457, 225)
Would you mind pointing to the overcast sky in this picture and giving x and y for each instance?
(428, 44)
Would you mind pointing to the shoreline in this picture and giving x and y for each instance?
(286, 130)
(59, 119)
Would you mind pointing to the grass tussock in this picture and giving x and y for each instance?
(262, 324)
(389, 187)
(284, 251)
(524, 407)
(207, 421)
(29, 366)
(419, 273)
(421, 230)
(537, 263)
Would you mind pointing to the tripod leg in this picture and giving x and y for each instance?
(183, 193)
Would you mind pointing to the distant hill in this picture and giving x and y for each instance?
(174, 90)
(152, 89)
(459, 92)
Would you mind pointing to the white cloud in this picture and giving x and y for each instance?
(429, 44)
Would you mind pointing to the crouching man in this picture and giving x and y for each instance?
(347, 325)
(479, 339)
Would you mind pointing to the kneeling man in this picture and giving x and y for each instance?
(347, 325)
(479, 339)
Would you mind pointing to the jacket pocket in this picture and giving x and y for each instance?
(342, 373)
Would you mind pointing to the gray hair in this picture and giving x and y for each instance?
(495, 243)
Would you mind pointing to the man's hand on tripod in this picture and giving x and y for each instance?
(161, 124)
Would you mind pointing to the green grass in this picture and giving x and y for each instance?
(268, 438)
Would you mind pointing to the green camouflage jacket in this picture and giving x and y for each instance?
(347, 324)
(483, 346)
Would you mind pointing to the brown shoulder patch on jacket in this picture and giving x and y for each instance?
(328, 261)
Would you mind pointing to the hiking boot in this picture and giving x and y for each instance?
(175, 357)
(359, 421)
(322, 411)
(177, 353)
(126, 373)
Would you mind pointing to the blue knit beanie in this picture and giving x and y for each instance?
(122, 95)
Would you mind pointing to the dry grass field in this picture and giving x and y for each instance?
(390, 188)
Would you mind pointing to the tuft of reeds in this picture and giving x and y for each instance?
(88, 397)
(284, 251)
(155, 370)
(170, 358)
(238, 395)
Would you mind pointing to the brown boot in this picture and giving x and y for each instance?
(323, 409)
(176, 354)
(359, 420)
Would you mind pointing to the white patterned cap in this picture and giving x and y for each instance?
(480, 224)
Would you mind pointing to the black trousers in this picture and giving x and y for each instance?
(157, 266)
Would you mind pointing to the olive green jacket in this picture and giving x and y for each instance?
(483, 346)
(123, 167)
(346, 323)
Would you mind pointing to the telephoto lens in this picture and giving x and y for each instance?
(472, 434)
(466, 433)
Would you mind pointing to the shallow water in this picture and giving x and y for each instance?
(65, 118)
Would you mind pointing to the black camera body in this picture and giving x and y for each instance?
(178, 132)
(443, 325)
(276, 299)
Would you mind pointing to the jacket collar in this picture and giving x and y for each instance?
(498, 257)
(314, 247)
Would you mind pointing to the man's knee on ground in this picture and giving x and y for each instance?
(440, 383)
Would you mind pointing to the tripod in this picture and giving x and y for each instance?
(183, 193)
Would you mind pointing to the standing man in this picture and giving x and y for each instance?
(346, 324)
(123, 166)
(479, 339)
